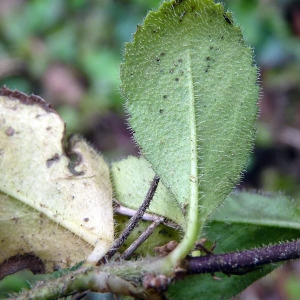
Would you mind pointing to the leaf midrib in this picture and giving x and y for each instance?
(193, 224)
(256, 222)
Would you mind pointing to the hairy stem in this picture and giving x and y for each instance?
(83, 279)
(245, 261)
(123, 278)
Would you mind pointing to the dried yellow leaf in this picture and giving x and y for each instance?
(55, 204)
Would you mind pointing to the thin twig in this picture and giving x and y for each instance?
(135, 219)
(126, 211)
(141, 239)
(245, 261)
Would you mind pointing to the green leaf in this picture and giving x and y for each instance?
(131, 178)
(205, 287)
(253, 220)
(160, 236)
(245, 221)
(191, 92)
(58, 208)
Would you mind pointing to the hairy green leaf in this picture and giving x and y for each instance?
(253, 220)
(191, 92)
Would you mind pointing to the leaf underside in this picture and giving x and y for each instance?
(191, 92)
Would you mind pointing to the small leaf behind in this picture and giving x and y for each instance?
(245, 221)
(131, 180)
(263, 209)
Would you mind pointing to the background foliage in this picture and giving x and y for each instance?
(69, 52)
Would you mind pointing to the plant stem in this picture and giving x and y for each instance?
(122, 278)
(194, 224)
(245, 261)
(135, 219)
(127, 253)
(83, 279)
(125, 211)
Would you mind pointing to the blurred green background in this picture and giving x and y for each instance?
(68, 52)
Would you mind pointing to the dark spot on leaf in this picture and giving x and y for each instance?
(172, 71)
(207, 58)
(154, 31)
(180, 60)
(75, 160)
(9, 131)
(161, 111)
(211, 48)
(165, 96)
(222, 37)
(52, 160)
(157, 59)
(227, 19)
(176, 79)
(163, 53)
(181, 16)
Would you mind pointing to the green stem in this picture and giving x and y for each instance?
(81, 280)
(193, 223)
(192, 230)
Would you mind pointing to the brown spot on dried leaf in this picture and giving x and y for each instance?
(20, 262)
(52, 160)
(9, 131)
